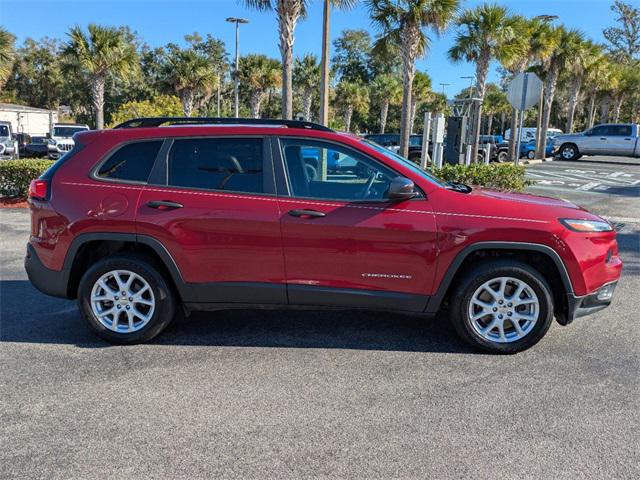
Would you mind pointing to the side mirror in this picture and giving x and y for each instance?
(401, 188)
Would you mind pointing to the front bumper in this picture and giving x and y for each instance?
(50, 282)
(588, 304)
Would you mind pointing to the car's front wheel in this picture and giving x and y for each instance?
(531, 154)
(502, 306)
(125, 299)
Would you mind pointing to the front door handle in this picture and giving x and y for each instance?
(306, 213)
(164, 204)
(603, 138)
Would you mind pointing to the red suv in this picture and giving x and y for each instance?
(208, 214)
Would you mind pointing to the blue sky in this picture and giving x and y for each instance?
(162, 21)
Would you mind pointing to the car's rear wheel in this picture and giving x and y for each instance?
(531, 154)
(125, 299)
(502, 306)
(569, 151)
(503, 156)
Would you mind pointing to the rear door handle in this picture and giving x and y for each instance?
(164, 204)
(306, 213)
(603, 138)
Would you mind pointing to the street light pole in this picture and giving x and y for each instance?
(236, 74)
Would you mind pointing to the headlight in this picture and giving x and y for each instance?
(586, 225)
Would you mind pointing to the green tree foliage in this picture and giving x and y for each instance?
(351, 97)
(259, 75)
(97, 54)
(624, 39)
(160, 106)
(7, 54)
(306, 80)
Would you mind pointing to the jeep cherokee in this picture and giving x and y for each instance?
(207, 214)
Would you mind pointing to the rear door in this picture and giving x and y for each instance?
(344, 243)
(619, 140)
(211, 203)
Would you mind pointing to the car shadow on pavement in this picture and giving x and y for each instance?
(28, 316)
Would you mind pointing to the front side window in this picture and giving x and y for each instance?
(132, 162)
(232, 164)
(601, 130)
(328, 171)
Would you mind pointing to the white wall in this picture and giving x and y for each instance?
(32, 123)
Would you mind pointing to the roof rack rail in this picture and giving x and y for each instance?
(158, 121)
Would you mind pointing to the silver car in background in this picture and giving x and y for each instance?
(611, 139)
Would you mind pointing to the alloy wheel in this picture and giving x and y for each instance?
(504, 310)
(122, 301)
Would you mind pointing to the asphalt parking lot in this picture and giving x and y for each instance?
(249, 394)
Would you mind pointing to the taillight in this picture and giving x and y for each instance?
(38, 189)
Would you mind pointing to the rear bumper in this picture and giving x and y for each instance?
(588, 304)
(50, 282)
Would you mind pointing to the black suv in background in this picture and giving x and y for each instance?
(392, 142)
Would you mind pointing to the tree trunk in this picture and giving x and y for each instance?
(549, 93)
(592, 109)
(256, 100)
(288, 12)
(306, 104)
(605, 105)
(324, 66)
(186, 97)
(97, 98)
(513, 139)
(482, 69)
(617, 108)
(384, 111)
(489, 123)
(348, 113)
(412, 116)
(410, 37)
(502, 120)
(576, 84)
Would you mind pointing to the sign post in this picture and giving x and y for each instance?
(525, 90)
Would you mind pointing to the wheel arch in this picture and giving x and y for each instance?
(87, 248)
(547, 262)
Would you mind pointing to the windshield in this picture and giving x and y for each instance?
(407, 163)
(4, 131)
(66, 131)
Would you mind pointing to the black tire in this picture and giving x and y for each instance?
(531, 155)
(569, 151)
(503, 156)
(484, 272)
(165, 298)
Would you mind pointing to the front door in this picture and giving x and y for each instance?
(344, 243)
(214, 210)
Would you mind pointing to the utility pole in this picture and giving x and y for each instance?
(236, 74)
(324, 66)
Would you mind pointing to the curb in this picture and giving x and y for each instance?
(535, 162)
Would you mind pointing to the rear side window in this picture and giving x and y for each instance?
(619, 130)
(233, 164)
(132, 162)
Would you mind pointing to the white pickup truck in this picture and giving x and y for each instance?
(611, 139)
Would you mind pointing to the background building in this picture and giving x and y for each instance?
(30, 120)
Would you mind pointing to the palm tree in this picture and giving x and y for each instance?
(96, 54)
(351, 97)
(386, 90)
(306, 78)
(7, 55)
(403, 23)
(596, 80)
(485, 33)
(532, 42)
(421, 90)
(191, 75)
(288, 13)
(495, 102)
(324, 62)
(567, 47)
(259, 74)
(586, 53)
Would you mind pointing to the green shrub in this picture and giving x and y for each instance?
(501, 176)
(15, 175)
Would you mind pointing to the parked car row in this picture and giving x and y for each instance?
(22, 145)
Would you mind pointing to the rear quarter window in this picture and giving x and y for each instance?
(131, 162)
